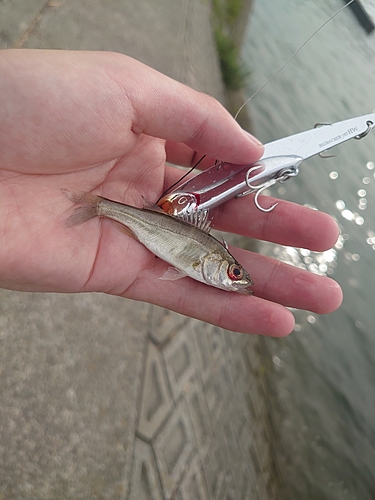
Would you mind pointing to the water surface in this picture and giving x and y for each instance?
(323, 375)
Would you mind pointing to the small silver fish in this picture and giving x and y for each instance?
(189, 248)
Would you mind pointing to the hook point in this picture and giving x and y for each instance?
(259, 206)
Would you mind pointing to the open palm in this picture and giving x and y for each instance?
(105, 123)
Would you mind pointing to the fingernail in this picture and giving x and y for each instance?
(253, 139)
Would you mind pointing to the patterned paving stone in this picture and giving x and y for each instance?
(246, 443)
(229, 490)
(213, 468)
(251, 350)
(156, 401)
(177, 496)
(261, 452)
(203, 353)
(230, 438)
(145, 483)
(179, 356)
(245, 482)
(164, 324)
(173, 448)
(214, 396)
(217, 343)
(239, 369)
(200, 416)
(228, 388)
(193, 485)
(252, 406)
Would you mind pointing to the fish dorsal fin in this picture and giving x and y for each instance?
(197, 218)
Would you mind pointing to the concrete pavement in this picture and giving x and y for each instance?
(102, 398)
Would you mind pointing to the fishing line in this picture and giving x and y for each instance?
(291, 57)
(181, 178)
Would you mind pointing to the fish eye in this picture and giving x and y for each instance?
(235, 272)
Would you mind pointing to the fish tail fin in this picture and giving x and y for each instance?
(88, 209)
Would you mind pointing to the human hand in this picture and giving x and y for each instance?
(106, 123)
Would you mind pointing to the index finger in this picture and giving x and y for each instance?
(288, 224)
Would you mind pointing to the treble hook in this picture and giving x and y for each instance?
(369, 127)
(258, 205)
(259, 189)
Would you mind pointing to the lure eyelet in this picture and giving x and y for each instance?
(235, 272)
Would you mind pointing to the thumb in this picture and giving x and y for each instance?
(169, 110)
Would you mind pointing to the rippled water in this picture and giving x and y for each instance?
(324, 373)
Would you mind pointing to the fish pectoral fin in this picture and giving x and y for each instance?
(173, 274)
(126, 230)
